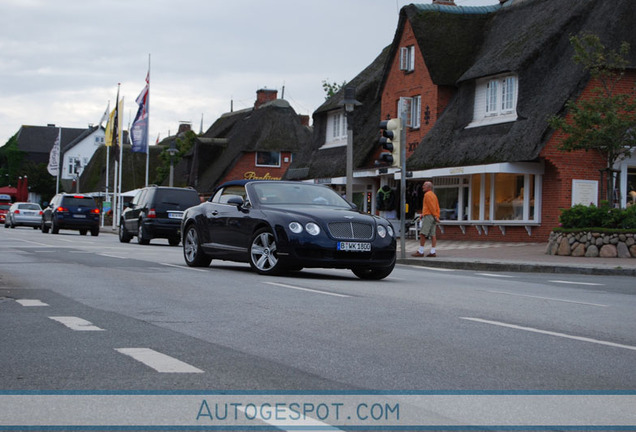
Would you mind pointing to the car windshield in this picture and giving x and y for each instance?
(4, 206)
(298, 193)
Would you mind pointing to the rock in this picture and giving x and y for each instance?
(579, 250)
(632, 251)
(622, 250)
(592, 251)
(608, 251)
(564, 249)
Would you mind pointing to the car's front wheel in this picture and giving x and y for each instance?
(370, 273)
(264, 254)
(192, 251)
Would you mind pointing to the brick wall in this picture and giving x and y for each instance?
(246, 168)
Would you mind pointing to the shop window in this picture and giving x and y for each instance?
(631, 186)
(268, 158)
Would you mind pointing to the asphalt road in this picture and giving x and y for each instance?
(103, 315)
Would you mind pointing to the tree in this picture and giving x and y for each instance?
(183, 144)
(605, 122)
(332, 88)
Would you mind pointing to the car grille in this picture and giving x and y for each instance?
(351, 230)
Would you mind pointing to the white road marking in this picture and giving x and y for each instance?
(182, 267)
(31, 302)
(307, 289)
(160, 362)
(494, 275)
(431, 268)
(577, 283)
(112, 256)
(545, 298)
(551, 333)
(75, 323)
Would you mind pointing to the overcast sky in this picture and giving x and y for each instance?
(61, 60)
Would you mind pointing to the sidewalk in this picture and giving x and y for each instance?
(516, 257)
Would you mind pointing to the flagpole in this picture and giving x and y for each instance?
(148, 123)
(59, 157)
(121, 156)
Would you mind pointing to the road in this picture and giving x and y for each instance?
(89, 313)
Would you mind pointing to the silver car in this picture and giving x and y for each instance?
(25, 214)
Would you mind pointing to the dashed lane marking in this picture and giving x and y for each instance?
(544, 298)
(576, 283)
(160, 362)
(31, 302)
(551, 333)
(494, 275)
(307, 289)
(75, 323)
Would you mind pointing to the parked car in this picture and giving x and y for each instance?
(156, 212)
(73, 212)
(277, 226)
(24, 214)
(5, 204)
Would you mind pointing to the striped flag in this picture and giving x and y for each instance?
(139, 129)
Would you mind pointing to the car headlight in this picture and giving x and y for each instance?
(312, 228)
(295, 227)
(390, 230)
(381, 231)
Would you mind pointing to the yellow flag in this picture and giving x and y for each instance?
(109, 128)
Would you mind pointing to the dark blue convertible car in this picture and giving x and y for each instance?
(279, 226)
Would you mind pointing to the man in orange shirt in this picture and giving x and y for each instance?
(429, 220)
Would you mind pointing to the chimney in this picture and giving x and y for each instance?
(445, 2)
(184, 127)
(263, 96)
(304, 120)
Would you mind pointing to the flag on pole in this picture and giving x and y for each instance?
(139, 129)
(54, 156)
(113, 127)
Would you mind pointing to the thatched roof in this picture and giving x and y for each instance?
(529, 38)
(331, 162)
(274, 126)
(37, 141)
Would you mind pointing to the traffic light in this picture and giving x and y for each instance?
(390, 142)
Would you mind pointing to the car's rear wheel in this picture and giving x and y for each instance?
(95, 232)
(264, 254)
(371, 273)
(83, 231)
(192, 251)
(142, 237)
(54, 228)
(44, 228)
(124, 236)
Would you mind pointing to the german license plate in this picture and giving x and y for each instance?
(175, 215)
(354, 247)
(79, 216)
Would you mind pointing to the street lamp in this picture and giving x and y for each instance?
(172, 150)
(349, 104)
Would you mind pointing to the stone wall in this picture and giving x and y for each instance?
(592, 244)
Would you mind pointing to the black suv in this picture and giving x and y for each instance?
(71, 211)
(156, 212)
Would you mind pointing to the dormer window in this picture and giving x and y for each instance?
(336, 129)
(407, 58)
(495, 100)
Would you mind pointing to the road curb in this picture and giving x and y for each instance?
(516, 267)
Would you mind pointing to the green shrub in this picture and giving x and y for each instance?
(604, 216)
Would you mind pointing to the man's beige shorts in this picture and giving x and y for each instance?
(428, 226)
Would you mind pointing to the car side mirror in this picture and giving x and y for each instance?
(236, 200)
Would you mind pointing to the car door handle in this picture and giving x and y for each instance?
(215, 212)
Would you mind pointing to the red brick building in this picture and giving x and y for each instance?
(476, 86)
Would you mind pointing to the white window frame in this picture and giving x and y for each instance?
(495, 100)
(336, 133)
(413, 108)
(273, 165)
(407, 58)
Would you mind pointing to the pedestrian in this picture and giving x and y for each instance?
(428, 220)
